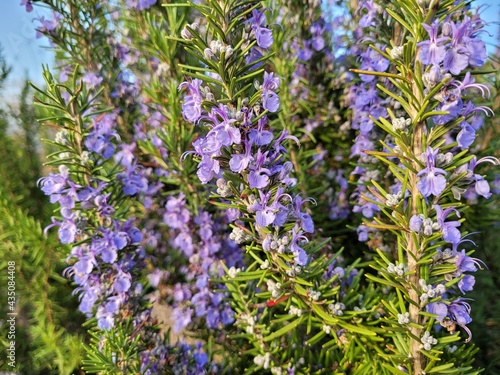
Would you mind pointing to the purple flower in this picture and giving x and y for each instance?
(85, 264)
(270, 213)
(305, 220)
(232, 214)
(223, 131)
(459, 311)
(122, 281)
(373, 61)
(481, 186)
(318, 42)
(55, 183)
(239, 162)
(432, 180)
(227, 315)
(416, 223)
(466, 136)
(176, 215)
(451, 315)
(200, 357)
(449, 229)
(181, 318)
(88, 298)
(282, 172)
(270, 82)
(265, 214)
(184, 242)
(367, 18)
(126, 155)
(191, 108)
(465, 48)
(120, 240)
(278, 148)
(133, 180)
(145, 4)
(92, 80)
(213, 317)
(99, 140)
(263, 35)
(199, 301)
(155, 277)
(451, 102)
(259, 176)
(465, 263)
(476, 52)
(252, 56)
(105, 319)
(438, 308)
(48, 26)
(140, 4)
(455, 60)
(361, 143)
(296, 246)
(432, 51)
(270, 100)
(28, 4)
(259, 136)
(367, 208)
(109, 255)
(208, 148)
(363, 232)
(67, 228)
(466, 284)
(305, 53)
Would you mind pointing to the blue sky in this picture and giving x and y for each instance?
(25, 53)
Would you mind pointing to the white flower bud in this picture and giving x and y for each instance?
(397, 52)
(327, 329)
(62, 137)
(262, 360)
(239, 236)
(209, 55)
(232, 272)
(223, 188)
(215, 46)
(294, 311)
(401, 124)
(404, 318)
(314, 295)
(446, 29)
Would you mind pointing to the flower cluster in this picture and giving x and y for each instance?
(198, 239)
(145, 235)
(455, 313)
(444, 56)
(430, 128)
(367, 103)
(102, 264)
(258, 156)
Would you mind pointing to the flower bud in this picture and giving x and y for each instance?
(397, 52)
(215, 46)
(185, 34)
(401, 124)
(432, 77)
(229, 52)
(446, 30)
(209, 55)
